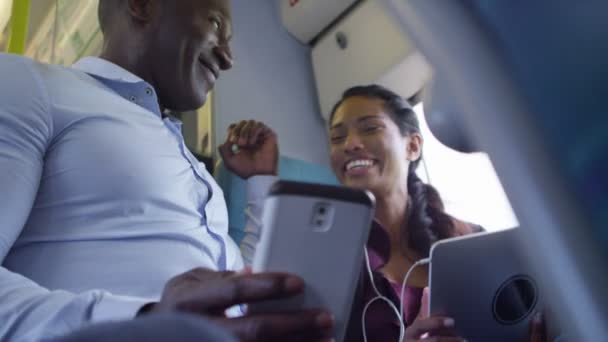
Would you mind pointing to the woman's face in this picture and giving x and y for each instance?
(367, 149)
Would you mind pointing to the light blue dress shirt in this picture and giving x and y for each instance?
(100, 200)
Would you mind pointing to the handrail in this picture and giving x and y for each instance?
(20, 14)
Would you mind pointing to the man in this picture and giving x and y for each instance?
(104, 213)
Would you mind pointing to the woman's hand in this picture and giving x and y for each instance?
(538, 329)
(431, 329)
(251, 148)
(426, 328)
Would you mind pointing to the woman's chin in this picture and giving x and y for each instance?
(358, 183)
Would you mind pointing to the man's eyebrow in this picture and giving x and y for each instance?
(224, 12)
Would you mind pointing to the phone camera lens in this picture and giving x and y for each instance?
(322, 210)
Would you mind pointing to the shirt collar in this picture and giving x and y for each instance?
(124, 83)
(103, 68)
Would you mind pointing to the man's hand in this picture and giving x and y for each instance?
(425, 328)
(251, 148)
(210, 293)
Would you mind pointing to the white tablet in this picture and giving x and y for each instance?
(482, 283)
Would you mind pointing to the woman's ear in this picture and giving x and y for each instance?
(414, 146)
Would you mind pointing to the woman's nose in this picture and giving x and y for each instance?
(353, 143)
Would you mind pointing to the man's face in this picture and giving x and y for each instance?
(188, 48)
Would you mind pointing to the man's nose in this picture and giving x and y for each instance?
(224, 56)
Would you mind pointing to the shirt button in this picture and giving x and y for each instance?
(133, 99)
(149, 91)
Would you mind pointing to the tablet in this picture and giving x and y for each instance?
(481, 282)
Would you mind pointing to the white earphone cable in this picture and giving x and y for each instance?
(380, 297)
(377, 298)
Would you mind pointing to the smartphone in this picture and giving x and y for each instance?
(317, 232)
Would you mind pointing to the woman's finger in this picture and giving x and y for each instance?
(432, 326)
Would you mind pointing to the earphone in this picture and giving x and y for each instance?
(420, 262)
(380, 297)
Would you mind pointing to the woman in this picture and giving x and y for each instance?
(376, 145)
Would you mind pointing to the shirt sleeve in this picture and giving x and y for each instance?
(29, 311)
(257, 190)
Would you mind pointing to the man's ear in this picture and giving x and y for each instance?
(143, 11)
(414, 146)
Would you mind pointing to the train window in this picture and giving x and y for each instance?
(467, 183)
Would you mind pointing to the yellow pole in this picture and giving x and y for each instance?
(19, 25)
